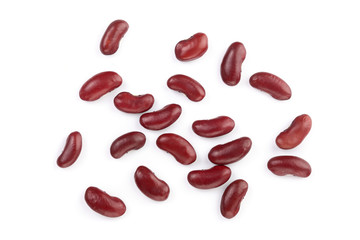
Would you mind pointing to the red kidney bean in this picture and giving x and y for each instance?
(209, 178)
(71, 150)
(283, 165)
(231, 63)
(162, 118)
(230, 152)
(271, 84)
(99, 85)
(112, 36)
(103, 203)
(295, 133)
(150, 185)
(184, 84)
(191, 48)
(177, 146)
(127, 142)
(213, 127)
(129, 103)
(232, 197)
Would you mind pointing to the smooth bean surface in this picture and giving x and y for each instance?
(150, 185)
(191, 48)
(213, 127)
(232, 198)
(71, 150)
(209, 178)
(190, 87)
(289, 165)
(162, 118)
(112, 36)
(232, 63)
(129, 103)
(127, 142)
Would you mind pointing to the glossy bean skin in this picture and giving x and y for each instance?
(232, 197)
(71, 150)
(271, 84)
(191, 48)
(127, 142)
(150, 185)
(232, 63)
(99, 85)
(177, 146)
(112, 36)
(230, 152)
(295, 133)
(292, 165)
(209, 178)
(162, 118)
(213, 127)
(103, 203)
(190, 87)
(129, 103)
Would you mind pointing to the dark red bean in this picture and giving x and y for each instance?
(231, 63)
(184, 84)
(162, 118)
(295, 133)
(71, 150)
(213, 127)
(150, 185)
(230, 152)
(191, 48)
(103, 203)
(232, 197)
(284, 165)
(127, 142)
(177, 146)
(129, 103)
(209, 178)
(99, 85)
(271, 84)
(112, 36)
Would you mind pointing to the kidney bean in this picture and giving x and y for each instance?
(209, 178)
(213, 127)
(184, 84)
(150, 185)
(191, 48)
(232, 197)
(230, 152)
(129, 103)
(112, 36)
(231, 63)
(99, 85)
(71, 150)
(283, 165)
(271, 84)
(103, 203)
(127, 142)
(295, 133)
(162, 118)
(177, 146)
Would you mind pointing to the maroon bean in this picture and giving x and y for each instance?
(127, 142)
(295, 133)
(162, 118)
(103, 203)
(271, 84)
(177, 146)
(71, 150)
(283, 165)
(191, 48)
(112, 36)
(209, 178)
(232, 197)
(129, 103)
(150, 185)
(231, 63)
(99, 85)
(184, 84)
(230, 152)
(213, 127)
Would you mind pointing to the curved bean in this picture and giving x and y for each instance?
(232, 197)
(191, 48)
(232, 63)
(184, 84)
(284, 165)
(129, 103)
(209, 178)
(127, 142)
(162, 118)
(213, 127)
(112, 36)
(71, 150)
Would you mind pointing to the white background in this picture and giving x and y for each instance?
(49, 49)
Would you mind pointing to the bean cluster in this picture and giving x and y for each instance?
(221, 155)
